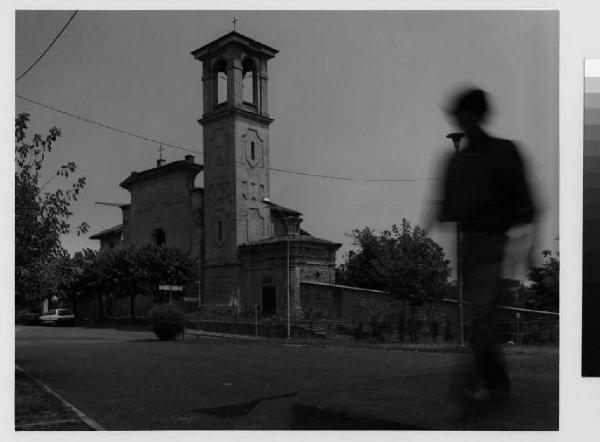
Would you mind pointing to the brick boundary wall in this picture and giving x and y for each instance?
(338, 302)
(437, 318)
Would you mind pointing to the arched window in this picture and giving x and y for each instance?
(248, 81)
(159, 237)
(221, 72)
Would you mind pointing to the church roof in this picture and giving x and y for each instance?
(285, 210)
(161, 170)
(291, 238)
(103, 233)
(234, 38)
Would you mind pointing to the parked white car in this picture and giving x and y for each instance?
(58, 316)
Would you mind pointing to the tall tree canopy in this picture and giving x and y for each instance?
(402, 260)
(130, 271)
(544, 291)
(41, 216)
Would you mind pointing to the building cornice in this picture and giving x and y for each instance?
(212, 265)
(110, 231)
(345, 287)
(234, 39)
(176, 166)
(235, 111)
(292, 239)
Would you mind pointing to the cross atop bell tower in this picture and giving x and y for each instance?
(234, 76)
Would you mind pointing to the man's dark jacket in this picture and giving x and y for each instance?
(485, 187)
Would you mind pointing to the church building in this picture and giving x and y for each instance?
(251, 251)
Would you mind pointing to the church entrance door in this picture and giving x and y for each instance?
(269, 300)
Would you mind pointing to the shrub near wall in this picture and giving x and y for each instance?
(168, 322)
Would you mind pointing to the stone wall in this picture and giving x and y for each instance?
(378, 313)
(321, 301)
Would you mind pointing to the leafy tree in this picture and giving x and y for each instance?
(403, 261)
(41, 217)
(123, 274)
(141, 270)
(166, 265)
(543, 294)
(87, 268)
(60, 273)
(361, 267)
(126, 272)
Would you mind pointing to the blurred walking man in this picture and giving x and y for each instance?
(484, 189)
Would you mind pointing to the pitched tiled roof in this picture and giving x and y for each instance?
(291, 238)
(233, 36)
(115, 229)
(156, 171)
(285, 210)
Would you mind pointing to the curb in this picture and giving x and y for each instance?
(80, 414)
(198, 333)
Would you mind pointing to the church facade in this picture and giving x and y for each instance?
(252, 253)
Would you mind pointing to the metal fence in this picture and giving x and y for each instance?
(526, 326)
(519, 326)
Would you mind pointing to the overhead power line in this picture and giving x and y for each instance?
(48, 48)
(174, 146)
(106, 126)
(371, 180)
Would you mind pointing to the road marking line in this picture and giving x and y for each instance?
(88, 421)
(37, 424)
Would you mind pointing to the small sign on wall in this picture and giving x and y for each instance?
(171, 288)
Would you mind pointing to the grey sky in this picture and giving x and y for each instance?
(353, 94)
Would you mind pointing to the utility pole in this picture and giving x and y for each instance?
(456, 137)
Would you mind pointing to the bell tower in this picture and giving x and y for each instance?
(235, 123)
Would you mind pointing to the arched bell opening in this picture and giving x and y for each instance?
(220, 71)
(249, 82)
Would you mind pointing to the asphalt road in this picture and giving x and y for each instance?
(131, 381)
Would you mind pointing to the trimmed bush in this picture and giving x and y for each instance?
(167, 321)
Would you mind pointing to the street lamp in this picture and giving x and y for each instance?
(267, 201)
(456, 137)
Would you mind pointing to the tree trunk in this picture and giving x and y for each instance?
(132, 306)
(413, 323)
(74, 305)
(100, 308)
